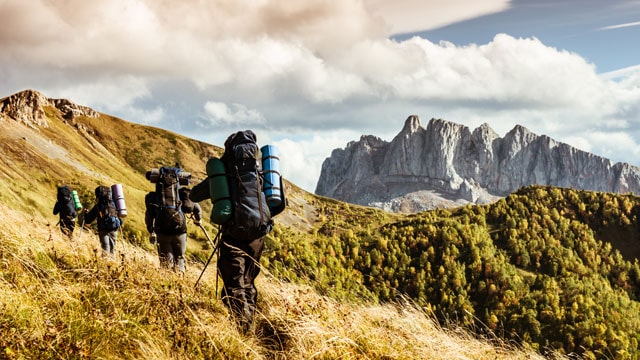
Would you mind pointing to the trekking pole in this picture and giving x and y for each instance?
(213, 245)
(115, 253)
(81, 228)
(215, 249)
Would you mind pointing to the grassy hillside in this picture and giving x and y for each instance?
(60, 299)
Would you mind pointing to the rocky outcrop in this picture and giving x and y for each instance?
(29, 107)
(447, 164)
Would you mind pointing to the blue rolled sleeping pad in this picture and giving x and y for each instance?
(271, 169)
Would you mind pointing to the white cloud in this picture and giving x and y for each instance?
(620, 26)
(113, 94)
(236, 114)
(612, 144)
(312, 75)
(301, 157)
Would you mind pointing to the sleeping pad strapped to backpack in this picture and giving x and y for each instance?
(251, 218)
(107, 212)
(219, 191)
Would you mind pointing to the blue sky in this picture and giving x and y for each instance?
(310, 76)
(603, 32)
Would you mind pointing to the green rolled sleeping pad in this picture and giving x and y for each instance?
(219, 191)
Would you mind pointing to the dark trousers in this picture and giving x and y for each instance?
(67, 225)
(239, 265)
(171, 249)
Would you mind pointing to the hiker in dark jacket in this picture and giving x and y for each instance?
(172, 243)
(238, 266)
(108, 222)
(64, 207)
(239, 259)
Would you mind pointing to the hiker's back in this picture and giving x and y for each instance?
(169, 218)
(251, 218)
(107, 216)
(64, 205)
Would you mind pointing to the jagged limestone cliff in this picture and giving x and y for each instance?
(447, 164)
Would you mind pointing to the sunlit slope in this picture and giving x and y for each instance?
(463, 267)
(61, 300)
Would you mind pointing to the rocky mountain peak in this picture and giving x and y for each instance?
(28, 107)
(411, 125)
(447, 164)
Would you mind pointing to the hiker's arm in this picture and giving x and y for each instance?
(149, 219)
(197, 212)
(91, 215)
(200, 192)
(56, 208)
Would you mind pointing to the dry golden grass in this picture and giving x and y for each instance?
(61, 300)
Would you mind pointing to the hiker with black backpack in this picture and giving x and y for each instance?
(244, 230)
(106, 215)
(164, 215)
(65, 208)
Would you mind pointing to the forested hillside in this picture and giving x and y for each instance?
(541, 267)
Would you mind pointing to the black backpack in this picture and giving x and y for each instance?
(107, 212)
(64, 205)
(170, 219)
(251, 218)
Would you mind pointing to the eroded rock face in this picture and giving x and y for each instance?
(447, 164)
(26, 107)
(29, 106)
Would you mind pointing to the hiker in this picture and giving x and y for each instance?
(65, 207)
(164, 215)
(106, 214)
(244, 232)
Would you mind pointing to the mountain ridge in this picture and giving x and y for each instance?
(448, 164)
(56, 141)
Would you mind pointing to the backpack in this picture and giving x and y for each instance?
(250, 218)
(65, 204)
(170, 219)
(107, 212)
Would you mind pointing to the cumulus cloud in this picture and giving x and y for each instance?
(236, 114)
(305, 154)
(309, 75)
